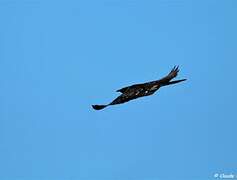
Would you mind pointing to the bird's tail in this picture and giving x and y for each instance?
(174, 82)
(99, 107)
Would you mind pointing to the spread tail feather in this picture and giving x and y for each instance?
(99, 107)
(174, 82)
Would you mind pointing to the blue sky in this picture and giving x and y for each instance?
(59, 57)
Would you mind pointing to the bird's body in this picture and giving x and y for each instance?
(141, 90)
(136, 91)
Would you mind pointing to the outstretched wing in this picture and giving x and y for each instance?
(173, 73)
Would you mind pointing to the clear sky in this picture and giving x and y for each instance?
(59, 57)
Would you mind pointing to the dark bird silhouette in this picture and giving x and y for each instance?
(145, 89)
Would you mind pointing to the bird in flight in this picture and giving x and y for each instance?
(145, 89)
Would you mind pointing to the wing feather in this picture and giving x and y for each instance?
(173, 73)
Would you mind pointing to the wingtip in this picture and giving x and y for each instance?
(175, 68)
(183, 80)
(98, 107)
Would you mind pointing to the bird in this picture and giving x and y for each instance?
(143, 89)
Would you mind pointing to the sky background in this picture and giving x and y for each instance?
(59, 57)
